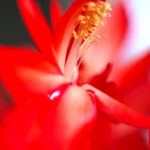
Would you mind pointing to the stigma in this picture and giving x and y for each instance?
(90, 18)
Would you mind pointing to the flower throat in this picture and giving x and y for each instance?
(89, 19)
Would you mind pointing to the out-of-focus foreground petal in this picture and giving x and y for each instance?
(102, 132)
(124, 137)
(61, 123)
(75, 111)
(55, 12)
(26, 72)
(2, 140)
(38, 27)
(134, 71)
(118, 111)
(133, 82)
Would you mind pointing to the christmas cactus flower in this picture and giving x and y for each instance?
(57, 101)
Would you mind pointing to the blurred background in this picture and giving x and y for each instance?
(12, 30)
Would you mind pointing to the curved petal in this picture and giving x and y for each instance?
(70, 121)
(133, 82)
(118, 111)
(38, 27)
(55, 12)
(26, 71)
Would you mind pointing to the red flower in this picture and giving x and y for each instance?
(55, 107)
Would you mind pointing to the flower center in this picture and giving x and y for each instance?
(89, 19)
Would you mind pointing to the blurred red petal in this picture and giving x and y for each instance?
(118, 111)
(25, 124)
(6, 102)
(27, 72)
(55, 12)
(101, 132)
(65, 122)
(23, 128)
(135, 71)
(133, 83)
(69, 123)
(137, 97)
(2, 139)
(124, 137)
(38, 27)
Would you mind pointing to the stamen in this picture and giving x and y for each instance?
(91, 18)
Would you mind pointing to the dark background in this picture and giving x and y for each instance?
(12, 29)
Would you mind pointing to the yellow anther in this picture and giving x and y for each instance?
(91, 18)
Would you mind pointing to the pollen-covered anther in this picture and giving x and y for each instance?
(90, 18)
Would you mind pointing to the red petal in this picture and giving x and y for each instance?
(133, 72)
(37, 27)
(133, 84)
(70, 120)
(64, 122)
(2, 140)
(23, 130)
(25, 71)
(118, 111)
(102, 132)
(55, 12)
(101, 82)
(5, 102)
(125, 137)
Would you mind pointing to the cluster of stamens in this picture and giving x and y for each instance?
(90, 19)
